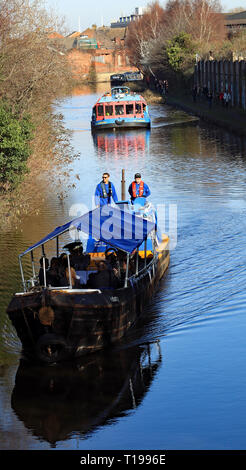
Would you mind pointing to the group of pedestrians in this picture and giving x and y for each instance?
(223, 98)
(161, 86)
(105, 190)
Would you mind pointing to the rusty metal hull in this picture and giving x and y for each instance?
(82, 322)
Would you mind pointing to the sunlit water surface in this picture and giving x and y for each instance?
(178, 379)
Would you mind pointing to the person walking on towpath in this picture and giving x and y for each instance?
(138, 188)
(105, 191)
(227, 98)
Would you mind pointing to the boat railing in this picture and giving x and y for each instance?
(144, 269)
(147, 264)
(33, 283)
(120, 90)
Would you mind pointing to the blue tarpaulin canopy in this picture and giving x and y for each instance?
(118, 228)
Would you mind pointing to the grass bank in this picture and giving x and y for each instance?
(152, 97)
(231, 119)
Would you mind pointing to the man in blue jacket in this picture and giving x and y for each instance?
(105, 191)
(138, 188)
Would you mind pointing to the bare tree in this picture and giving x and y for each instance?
(202, 19)
(142, 33)
(33, 73)
(147, 38)
(31, 70)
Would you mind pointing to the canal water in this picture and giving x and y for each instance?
(178, 380)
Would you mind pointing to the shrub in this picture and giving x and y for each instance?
(181, 52)
(15, 136)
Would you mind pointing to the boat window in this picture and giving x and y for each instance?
(109, 110)
(100, 110)
(129, 109)
(144, 107)
(119, 109)
(138, 108)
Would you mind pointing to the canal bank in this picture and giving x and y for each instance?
(231, 119)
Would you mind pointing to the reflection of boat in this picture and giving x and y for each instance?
(55, 323)
(125, 143)
(120, 109)
(56, 402)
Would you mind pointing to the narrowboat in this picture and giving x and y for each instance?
(120, 109)
(65, 316)
(117, 79)
(120, 79)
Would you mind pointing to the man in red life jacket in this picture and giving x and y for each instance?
(138, 188)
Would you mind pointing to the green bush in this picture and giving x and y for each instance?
(181, 53)
(15, 135)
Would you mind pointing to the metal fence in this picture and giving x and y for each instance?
(221, 76)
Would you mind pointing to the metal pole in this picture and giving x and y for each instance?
(154, 242)
(123, 191)
(137, 261)
(44, 270)
(69, 271)
(145, 250)
(33, 267)
(57, 247)
(127, 269)
(22, 274)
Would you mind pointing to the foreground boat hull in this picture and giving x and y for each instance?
(83, 322)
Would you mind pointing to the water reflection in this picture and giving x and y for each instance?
(225, 142)
(122, 144)
(56, 402)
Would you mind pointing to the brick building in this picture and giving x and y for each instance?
(102, 49)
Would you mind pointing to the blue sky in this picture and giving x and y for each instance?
(88, 12)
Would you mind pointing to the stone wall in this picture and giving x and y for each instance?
(221, 76)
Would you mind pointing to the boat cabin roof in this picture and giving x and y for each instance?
(120, 89)
(120, 94)
(118, 228)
